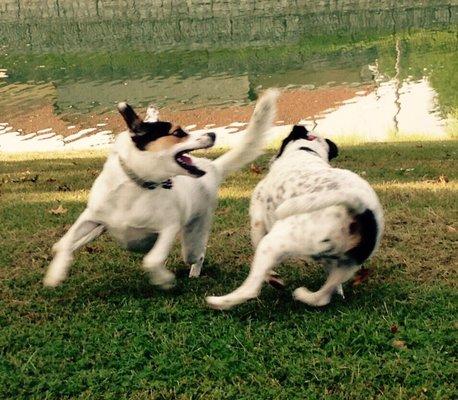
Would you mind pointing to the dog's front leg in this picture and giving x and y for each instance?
(154, 261)
(82, 231)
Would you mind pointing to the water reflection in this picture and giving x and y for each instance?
(63, 69)
(392, 109)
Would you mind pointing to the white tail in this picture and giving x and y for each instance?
(252, 144)
(311, 202)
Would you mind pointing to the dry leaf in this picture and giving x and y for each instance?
(443, 179)
(228, 232)
(451, 229)
(393, 328)
(361, 276)
(58, 210)
(399, 344)
(63, 188)
(93, 249)
(256, 169)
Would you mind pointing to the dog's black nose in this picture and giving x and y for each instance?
(212, 135)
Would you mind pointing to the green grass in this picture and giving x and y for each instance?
(106, 333)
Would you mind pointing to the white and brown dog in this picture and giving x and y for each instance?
(306, 208)
(147, 192)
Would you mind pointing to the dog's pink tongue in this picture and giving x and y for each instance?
(186, 159)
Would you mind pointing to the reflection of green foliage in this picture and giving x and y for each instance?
(103, 65)
(431, 54)
(118, 65)
(435, 51)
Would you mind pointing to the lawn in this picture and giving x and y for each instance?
(106, 333)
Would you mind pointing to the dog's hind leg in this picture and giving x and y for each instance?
(154, 261)
(82, 231)
(269, 253)
(194, 240)
(322, 297)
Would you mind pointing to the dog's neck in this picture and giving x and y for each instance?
(300, 158)
(149, 185)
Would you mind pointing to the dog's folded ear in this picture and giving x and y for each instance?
(333, 151)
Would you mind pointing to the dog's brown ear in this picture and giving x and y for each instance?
(133, 121)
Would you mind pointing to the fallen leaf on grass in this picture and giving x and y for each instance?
(24, 178)
(63, 188)
(228, 232)
(443, 179)
(93, 249)
(256, 169)
(58, 210)
(361, 276)
(399, 344)
(393, 328)
(93, 172)
(451, 229)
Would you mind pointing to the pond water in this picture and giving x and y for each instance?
(358, 71)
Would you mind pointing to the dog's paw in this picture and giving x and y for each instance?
(312, 299)
(195, 270)
(163, 279)
(219, 302)
(340, 291)
(52, 281)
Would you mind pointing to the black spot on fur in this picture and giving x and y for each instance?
(298, 132)
(142, 132)
(308, 149)
(366, 224)
(149, 132)
(333, 149)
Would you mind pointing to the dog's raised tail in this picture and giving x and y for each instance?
(253, 141)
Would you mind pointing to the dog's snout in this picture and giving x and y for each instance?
(212, 136)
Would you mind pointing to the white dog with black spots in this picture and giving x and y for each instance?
(305, 208)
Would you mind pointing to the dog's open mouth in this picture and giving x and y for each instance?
(185, 162)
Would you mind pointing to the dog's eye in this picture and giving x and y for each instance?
(178, 132)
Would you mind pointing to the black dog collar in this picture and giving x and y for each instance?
(149, 185)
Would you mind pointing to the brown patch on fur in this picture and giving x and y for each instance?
(354, 237)
(164, 143)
